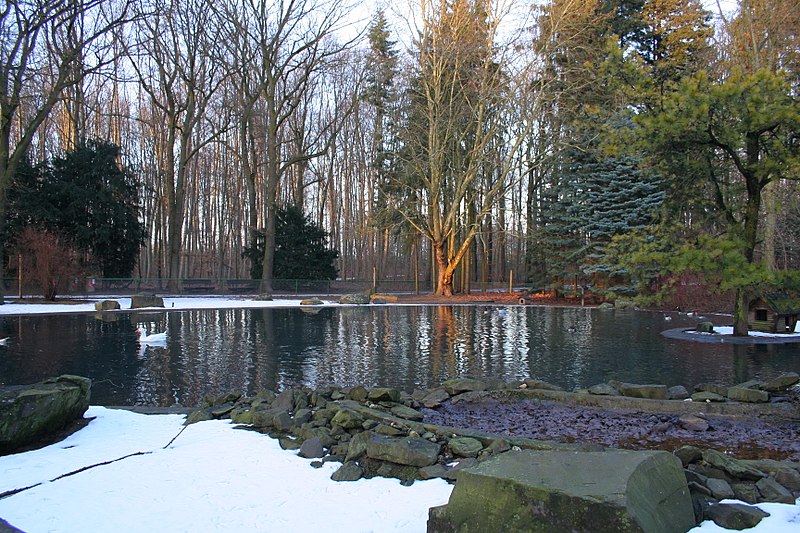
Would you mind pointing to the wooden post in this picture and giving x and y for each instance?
(19, 275)
(374, 279)
(511, 281)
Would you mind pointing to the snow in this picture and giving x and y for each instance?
(213, 476)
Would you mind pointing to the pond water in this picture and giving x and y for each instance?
(407, 347)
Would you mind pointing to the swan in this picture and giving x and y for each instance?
(155, 338)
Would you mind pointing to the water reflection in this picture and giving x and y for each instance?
(212, 352)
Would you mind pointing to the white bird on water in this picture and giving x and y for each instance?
(4, 341)
(155, 338)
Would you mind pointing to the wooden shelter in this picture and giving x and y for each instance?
(774, 312)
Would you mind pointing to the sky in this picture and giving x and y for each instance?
(212, 476)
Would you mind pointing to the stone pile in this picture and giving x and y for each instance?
(377, 432)
(753, 391)
(713, 476)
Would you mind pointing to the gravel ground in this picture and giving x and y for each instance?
(744, 438)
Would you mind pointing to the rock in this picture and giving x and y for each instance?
(358, 298)
(349, 471)
(359, 393)
(733, 467)
(606, 306)
(283, 422)
(139, 301)
(603, 389)
(693, 423)
(357, 447)
(743, 394)
(720, 489)
(32, 412)
(541, 385)
(383, 429)
(312, 449)
(412, 451)
(716, 388)
(613, 491)
(435, 398)
(752, 384)
(311, 301)
(384, 394)
(704, 327)
(772, 491)
(106, 305)
(746, 492)
(708, 397)
(5, 527)
(782, 382)
(461, 385)
(735, 515)
(407, 413)
(432, 471)
(688, 454)
(347, 419)
(453, 472)
(789, 478)
(199, 415)
(632, 390)
(678, 392)
(465, 446)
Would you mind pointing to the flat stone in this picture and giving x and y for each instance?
(743, 394)
(529, 491)
(633, 390)
(716, 388)
(772, 491)
(461, 385)
(541, 385)
(746, 492)
(402, 411)
(139, 301)
(733, 467)
(435, 398)
(720, 489)
(782, 382)
(347, 419)
(432, 471)
(412, 451)
(465, 446)
(358, 298)
(688, 454)
(705, 396)
(311, 301)
(735, 515)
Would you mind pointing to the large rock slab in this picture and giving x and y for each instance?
(543, 491)
(31, 412)
(411, 451)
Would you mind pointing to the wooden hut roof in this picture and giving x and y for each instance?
(782, 302)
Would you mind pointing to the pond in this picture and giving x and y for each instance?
(407, 347)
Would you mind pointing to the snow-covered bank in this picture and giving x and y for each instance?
(211, 478)
(170, 304)
(214, 477)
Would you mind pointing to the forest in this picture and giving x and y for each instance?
(612, 145)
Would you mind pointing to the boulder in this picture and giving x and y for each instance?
(465, 446)
(603, 389)
(782, 382)
(32, 412)
(461, 385)
(541, 385)
(106, 305)
(745, 394)
(772, 491)
(704, 327)
(693, 423)
(543, 491)
(632, 390)
(311, 301)
(708, 397)
(716, 388)
(435, 398)
(139, 301)
(735, 515)
(720, 489)
(678, 392)
(733, 467)
(349, 471)
(411, 451)
(407, 413)
(384, 394)
(312, 449)
(357, 298)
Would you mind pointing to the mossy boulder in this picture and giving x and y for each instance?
(32, 412)
(536, 491)
(140, 301)
(357, 298)
(106, 305)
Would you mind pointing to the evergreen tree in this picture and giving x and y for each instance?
(301, 249)
(86, 197)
